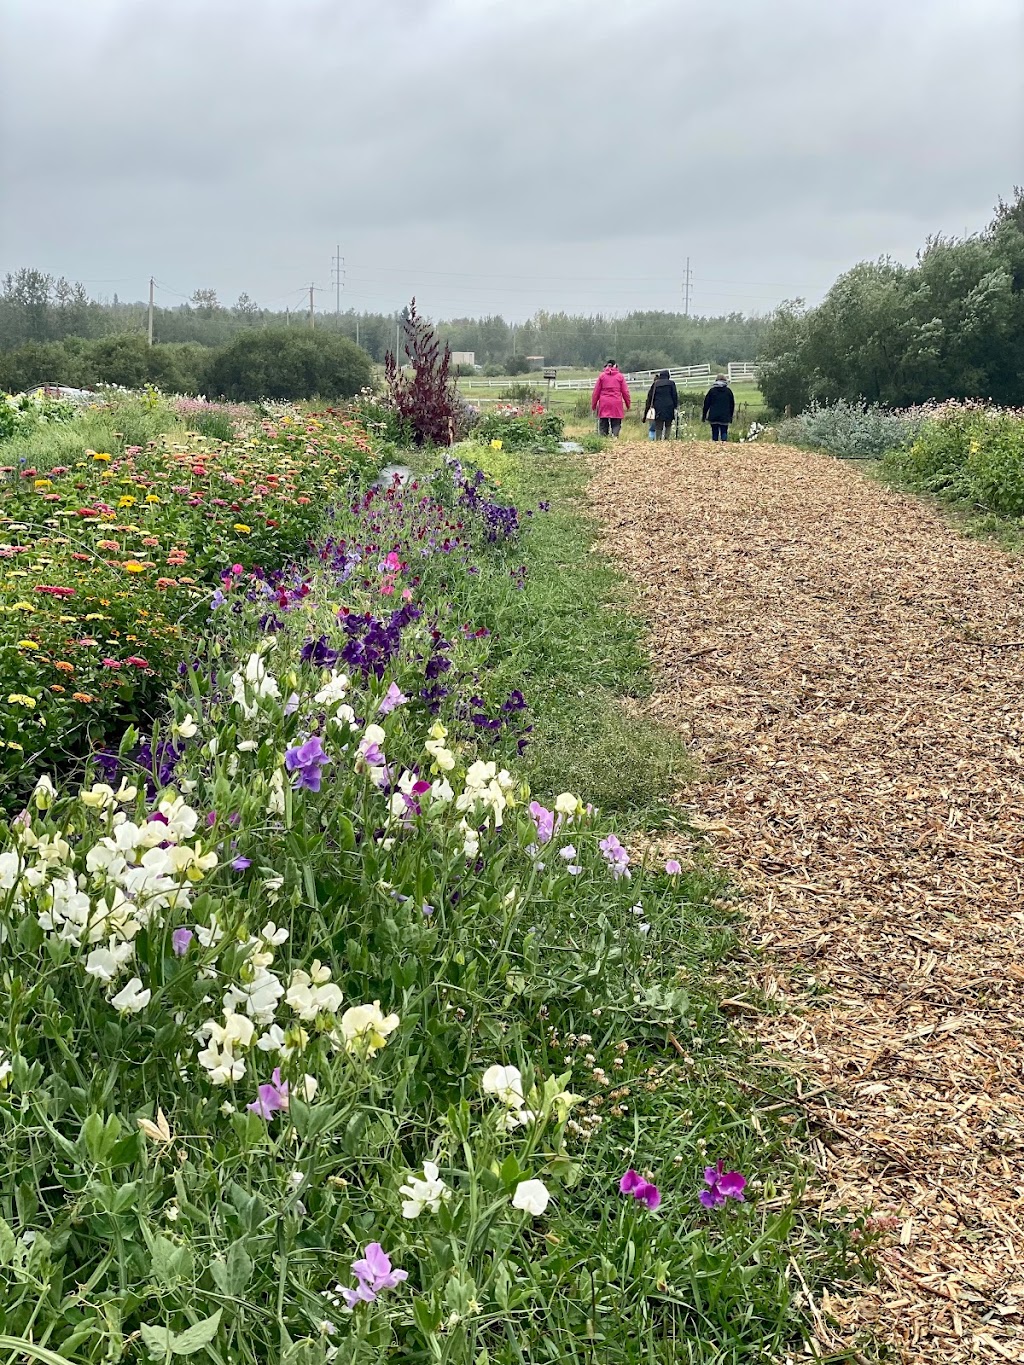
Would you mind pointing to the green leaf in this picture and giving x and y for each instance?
(8, 1245)
(233, 1273)
(160, 1340)
(169, 1263)
(195, 1338)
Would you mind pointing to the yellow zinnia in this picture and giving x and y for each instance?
(133, 566)
(19, 699)
(241, 529)
(27, 644)
(101, 455)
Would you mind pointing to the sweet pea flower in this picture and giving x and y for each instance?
(305, 761)
(392, 698)
(673, 867)
(722, 1185)
(373, 1273)
(429, 1193)
(365, 1029)
(132, 998)
(641, 1190)
(180, 940)
(270, 1098)
(531, 1196)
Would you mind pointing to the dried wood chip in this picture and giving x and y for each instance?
(847, 668)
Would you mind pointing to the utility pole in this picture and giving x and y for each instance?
(686, 288)
(357, 329)
(311, 288)
(151, 283)
(338, 266)
(287, 317)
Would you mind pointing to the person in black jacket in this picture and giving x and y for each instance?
(663, 398)
(719, 408)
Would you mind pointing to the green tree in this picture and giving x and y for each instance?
(288, 363)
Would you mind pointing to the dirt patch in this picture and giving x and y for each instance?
(849, 671)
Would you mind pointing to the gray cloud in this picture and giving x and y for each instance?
(496, 156)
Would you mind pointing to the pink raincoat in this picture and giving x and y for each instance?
(611, 392)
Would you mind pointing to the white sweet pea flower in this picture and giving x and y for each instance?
(273, 934)
(44, 793)
(181, 818)
(505, 1083)
(365, 1029)
(185, 727)
(567, 804)
(132, 998)
(429, 1193)
(333, 690)
(531, 1196)
(99, 797)
(105, 964)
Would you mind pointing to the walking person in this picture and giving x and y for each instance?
(663, 402)
(610, 399)
(719, 408)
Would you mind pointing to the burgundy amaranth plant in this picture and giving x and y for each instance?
(425, 398)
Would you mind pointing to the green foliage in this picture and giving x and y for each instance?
(532, 430)
(288, 363)
(121, 360)
(517, 364)
(852, 430)
(966, 454)
(951, 326)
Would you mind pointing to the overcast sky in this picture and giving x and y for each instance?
(499, 155)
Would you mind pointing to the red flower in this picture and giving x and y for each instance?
(56, 592)
(86, 512)
(111, 663)
(136, 662)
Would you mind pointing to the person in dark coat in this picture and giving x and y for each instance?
(719, 408)
(663, 398)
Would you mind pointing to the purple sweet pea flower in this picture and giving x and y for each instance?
(180, 940)
(722, 1185)
(240, 864)
(641, 1190)
(373, 1273)
(544, 820)
(305, 761)
(616, 856)
(270, 1097)
(673, 867)
(393, 697)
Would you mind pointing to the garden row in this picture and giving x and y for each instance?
(964, 452)
(324, 1038)
(118, 528)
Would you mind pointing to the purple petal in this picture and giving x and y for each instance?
(649, 1195)
(240, 864)
(709, 1200)
(732, 1184)
(630, 1182)
(180, 940)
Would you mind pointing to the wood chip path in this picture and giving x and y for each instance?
(849, 671)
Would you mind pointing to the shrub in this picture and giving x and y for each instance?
(967, 453)
(853, 430)
(426, 399)
(520, 393)
(517, 364)
(516, 430)
(288, 363)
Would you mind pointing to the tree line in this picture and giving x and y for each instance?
(37, 308)
(949, 326)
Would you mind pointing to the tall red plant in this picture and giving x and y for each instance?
(424, 395)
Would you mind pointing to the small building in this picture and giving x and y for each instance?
(463, 357)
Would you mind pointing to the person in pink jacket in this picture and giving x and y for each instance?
(610, 399)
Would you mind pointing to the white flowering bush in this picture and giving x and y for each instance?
(853, 430)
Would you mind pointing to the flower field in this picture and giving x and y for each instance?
(324, 1038)
(109, 556)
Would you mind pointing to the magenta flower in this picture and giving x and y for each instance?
(270, 1098)
(722, 1185)
(180, 940)
(673, 867)
(641, 1190)
(305, 761)
(393, 697)
(373, 1273)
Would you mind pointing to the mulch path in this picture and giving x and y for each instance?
(849, 670)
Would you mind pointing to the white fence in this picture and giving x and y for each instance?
(686, 377)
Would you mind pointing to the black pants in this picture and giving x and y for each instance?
(610, 426)
(662, 428)
(719, 431)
